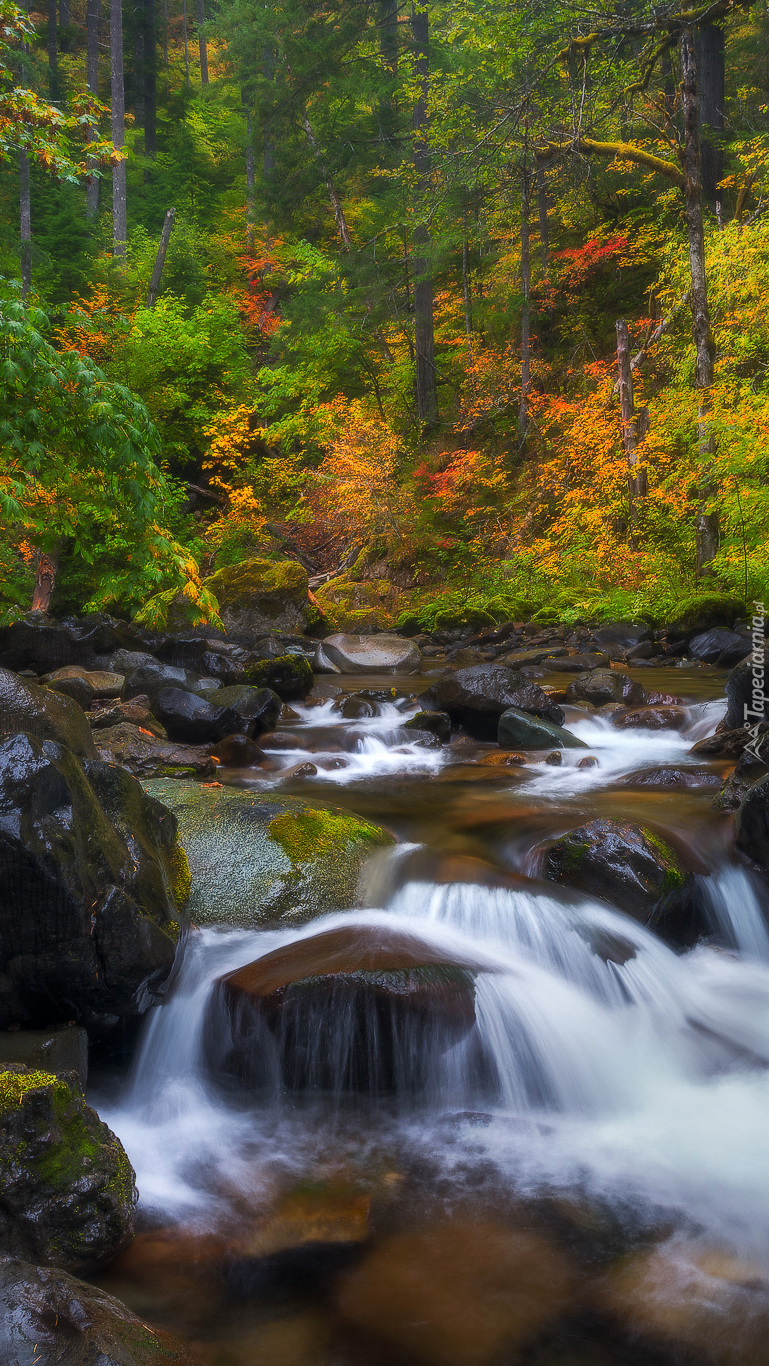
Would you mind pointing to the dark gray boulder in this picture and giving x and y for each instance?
(92, 889)
(258, 707)
(150, 679)
(599, 686)
(437, 722)
(476, 698)
(719, 646)
(40, 643)
(747, 697)
(195, 721)
(752, 823)
(519, 730)
(26, 707)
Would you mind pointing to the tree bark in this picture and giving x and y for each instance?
(150, 79)
(336, 203)
(165, 35)
(707, 521)
(53, 51)
(388, 46)
(636, 478)
(47, 566)
(250, 183)
(712, 99)
(25, 224)
(160, 259)
(119, 203)
(544, 226)
(523, 410)
(424, 304)
(201, 16)
(64, 13)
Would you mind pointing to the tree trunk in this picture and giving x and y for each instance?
(160, 259)
(636, 478)
(707, 522)
(712, 99)
(424, 305)
(119, 204)
(136, 77)
(201, 16)
(64, 13)
(25, 224)
(268, 71)
(523, 410)
(53, 51)
(466, 291)
(544, 228)
(165, 35)
(336, 203)
(47, 566)
(92, 17)
(388, 46)
(250, 184)
(150, 79)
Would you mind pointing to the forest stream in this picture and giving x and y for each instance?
(594, 1139)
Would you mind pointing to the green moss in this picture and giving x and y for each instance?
(290, 676)
(702, 611)
(351, 605)
(14, 1086)
(236, 585)
(304, 835)
(571, 854)
(181, 877)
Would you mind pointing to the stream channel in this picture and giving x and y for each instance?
(582, 1179)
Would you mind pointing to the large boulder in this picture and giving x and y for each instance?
(68, 1191)
(519, 730)
(49, 1318)
(195, 721)
(102, 682)
(259, 707)
(747, 696)
(258, 861)
(618, 638)
(752, 823)
(147, 756)
(599, 686)
(289, 675)
(704, 611)
(39, 643)
(148, 680)
(630, 866)
(356, 654)
(208, 657)
(360, 1008)
(92, 889)
(719, 646)
(476, 698)
(258, 596)
(40, 711)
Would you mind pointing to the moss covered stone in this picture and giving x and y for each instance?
(351, 605)
(290, 676)
(703, 611)
(258, 861)
(68, 1189)
(259, 596)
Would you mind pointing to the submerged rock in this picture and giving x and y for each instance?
(259, 861)
(361, 1008)
(519, 730)
(357, 654)
(672, 779)
(651, 718)
(68, 1192)
(42, 712)
(258, 596)
(477, 697)
(92, 888)
(49, 1318)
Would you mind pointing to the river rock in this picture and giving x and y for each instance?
(747, 697)
(460, 1292)
(380, 1003)
(41, 712)
(599, 686)
(147, 756)
(92, 888)
(724, 744)
(618, 638)
(68, 1191)
(577, 663)
(289, 675)
(150, 679)
(752, 823)
(49, 1318)
(259, 861)
(437, 722)
(378, 654)
(356, 708)
(102, 682)
(238, 751)
(672, 779)
(517, 729)
(258, 596)
(626, 864)
(651, 718)
(46, 1050)
(259, 707)
(76, 688)
(476, 698)
(704, 611)
(519, 659)
(208, 657)
(193, 720)
(719, 646)
(39, 643)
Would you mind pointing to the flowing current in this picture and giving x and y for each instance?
(601, 1061)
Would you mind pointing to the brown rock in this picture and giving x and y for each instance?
(146, 756)
(651, 718)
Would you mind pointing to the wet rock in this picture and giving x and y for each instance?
(212, 658)
(626, 864)
(47, 1050)
(150, 679)
(437, 722)
(410, 735)
(599, 686)
(651, 718)
(719, 646)
(323, 691)
(378, 654)
(259, 861)
(354, 708)
(305, 770)
(259, 596)
(699, 1302)
(49, 1318)
(464, 656)
(751, 767)
(724, 744)
(77, 688)
(136, 713)
(68, 1188)
(103, 682)
(26, 707)
(620, 638)
(125, 661)
(259, 707)
(672, 779)
(192, 719)
(384, 1003)
(704, 611)
(92, 888)
(519, 729)
(289, 675)
(589, 761)
(578, 663)
(752, 823)
(147, 756)
(745, 698)
(38, 642)
(238, 751)
(282, 740)
(476, 698)
(517, 659)
(460, 1292)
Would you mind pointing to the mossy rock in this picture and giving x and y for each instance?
(453, 619)
(261, 861)
(703, 611)
(42, 712)
(547, 616)
(353, 606)
(68, 1189)
(290, 676)
(259, 596)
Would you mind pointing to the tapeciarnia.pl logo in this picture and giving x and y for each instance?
(756, 709)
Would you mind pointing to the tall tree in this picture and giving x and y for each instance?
(119, 197)
(202, 45)
(25, 224)
(424, 301)
(92, 18)
(711, 90)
